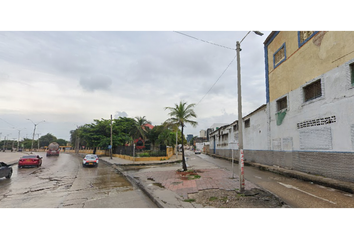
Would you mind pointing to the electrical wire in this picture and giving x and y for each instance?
(217, 80)
(204, 41)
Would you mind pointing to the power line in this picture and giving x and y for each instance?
(204, 40)
(217, 79)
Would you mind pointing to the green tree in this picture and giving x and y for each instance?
(98, 133)
(140, 129)
(45, 140)
(181, 115)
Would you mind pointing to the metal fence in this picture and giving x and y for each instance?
(129, 151)
(123, 150)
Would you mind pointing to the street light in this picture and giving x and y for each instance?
(258, 32)
(34, 131)
(240, 131)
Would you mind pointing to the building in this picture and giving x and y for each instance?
(189, 138)
(225, 139)
(202, 134)
(212, 128)
(310, 94)
(307, 123)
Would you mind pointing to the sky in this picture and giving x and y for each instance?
(70, 78)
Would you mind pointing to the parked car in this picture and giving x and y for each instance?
(30, 160)
(197, 151)
(90, 160)
(5, 170)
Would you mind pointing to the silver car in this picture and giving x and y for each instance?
(197, 151)
(90, 160)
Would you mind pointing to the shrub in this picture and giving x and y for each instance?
(144, 155)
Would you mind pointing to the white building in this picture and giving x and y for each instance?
(308, 122)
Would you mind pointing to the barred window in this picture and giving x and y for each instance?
(304, 35)
(312, 91)
(282, 104)
(279, 55)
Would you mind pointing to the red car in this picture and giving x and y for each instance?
(30, 160)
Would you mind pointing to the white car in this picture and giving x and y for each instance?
(197, 151)
(90, 160)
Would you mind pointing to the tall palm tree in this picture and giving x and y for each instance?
(180, 115)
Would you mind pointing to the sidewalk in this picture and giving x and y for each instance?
(168, 188)
(11, 158)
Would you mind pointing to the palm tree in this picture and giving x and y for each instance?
(139, 130)
(180, 116)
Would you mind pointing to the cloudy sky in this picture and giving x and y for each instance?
(69, 78)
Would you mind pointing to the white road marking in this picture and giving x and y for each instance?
(258, 177)
(290, 186)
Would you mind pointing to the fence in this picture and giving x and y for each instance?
(123, 150)
(129, 151)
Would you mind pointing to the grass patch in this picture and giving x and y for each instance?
(189, 200)
(191, 177)
(213, 199)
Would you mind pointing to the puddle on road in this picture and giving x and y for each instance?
(109, 178)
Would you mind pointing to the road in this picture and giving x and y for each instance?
(62, 182)
(296, 193)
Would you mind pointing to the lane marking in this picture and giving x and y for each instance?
(290, 186)
(258, 177)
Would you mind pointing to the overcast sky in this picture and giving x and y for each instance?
(71, 78)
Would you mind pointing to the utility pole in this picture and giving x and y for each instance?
(34, 131)
(240, 130)
(239, 122)
(110, 150)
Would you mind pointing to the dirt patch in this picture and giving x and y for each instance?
(189, 175)
(255, 198)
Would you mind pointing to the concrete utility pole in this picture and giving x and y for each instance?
(239, 123)
(240, 130)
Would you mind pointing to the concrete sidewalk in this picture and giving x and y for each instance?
(169, 188)
(12, 158)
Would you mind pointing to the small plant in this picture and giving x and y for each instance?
(189, 200)
(191, 177)
(213, 199)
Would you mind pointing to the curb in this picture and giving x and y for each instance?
(135, 182)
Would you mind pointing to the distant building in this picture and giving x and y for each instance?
(189, 138)
(202, 133)
(214, 127)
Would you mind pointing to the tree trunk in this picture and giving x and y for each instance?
(184, 165)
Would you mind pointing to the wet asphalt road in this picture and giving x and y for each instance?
(62, 182)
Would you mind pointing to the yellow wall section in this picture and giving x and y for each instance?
(323, 52)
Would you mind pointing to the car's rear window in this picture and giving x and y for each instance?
(90, 157)
(30, 156)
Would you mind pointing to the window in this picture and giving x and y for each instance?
(235, 127)
(312, 91)
(282, 104)
(279, 56)
(352, 73)
(247, 123)
(304, 36)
